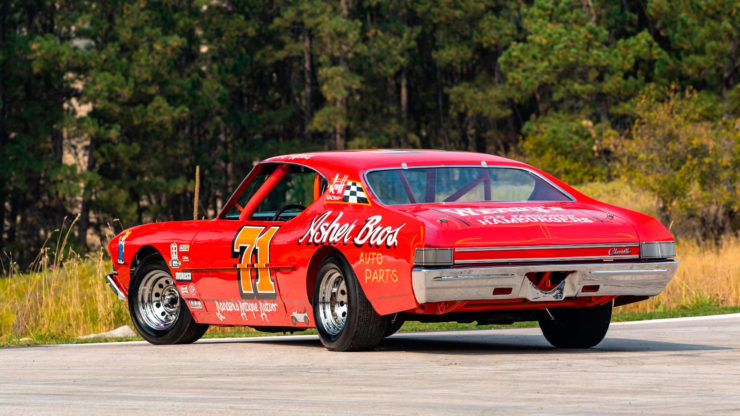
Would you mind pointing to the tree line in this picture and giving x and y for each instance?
(107, 107)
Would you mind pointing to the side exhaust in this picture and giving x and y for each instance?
(113, 284)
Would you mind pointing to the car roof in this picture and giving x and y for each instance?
(356, 160)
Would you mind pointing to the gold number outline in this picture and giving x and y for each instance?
(254, 242)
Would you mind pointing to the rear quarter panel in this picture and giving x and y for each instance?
(378, 243)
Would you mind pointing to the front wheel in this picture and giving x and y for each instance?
(344, 317)
(158, 312)
(575, 327)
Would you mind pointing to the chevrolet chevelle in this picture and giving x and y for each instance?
(354, 243)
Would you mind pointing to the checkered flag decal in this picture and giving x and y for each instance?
(353, 193)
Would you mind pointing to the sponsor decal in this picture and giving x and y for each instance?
(620, 251)
(375, 274)
(191, 288)
(185, 258)
(371, 258)
(297, 156)
(251, 247)
(475, 212)
(183, 276)
(184, 247)
(174, 261)
(343, 190)
(121, 244)
(299, 317)
(372, 232)
(245, 308)
(381, 276)
(336, 189)
(195, 304)
(184, 290)
(354, 194)
(519, 215)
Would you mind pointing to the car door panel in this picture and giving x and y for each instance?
(234, 274)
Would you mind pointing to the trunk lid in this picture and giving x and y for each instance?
(522, 232)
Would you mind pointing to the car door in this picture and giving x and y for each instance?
(236, 262)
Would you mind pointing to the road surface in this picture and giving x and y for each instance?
(670, 367)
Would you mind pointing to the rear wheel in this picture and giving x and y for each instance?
(394, 324)
(576, 327)
(344, 317)
(158, 312)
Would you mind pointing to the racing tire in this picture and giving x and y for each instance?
(344, 318)
(157, 311)
(576, 327)
(394, 324)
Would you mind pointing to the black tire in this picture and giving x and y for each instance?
(168, 321)
(576, 327)
(345, 319)
(395, 322)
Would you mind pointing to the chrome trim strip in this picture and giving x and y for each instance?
(597, 272)
(479, 283)
(114, 286)
(375, 197)
(550, 247)
(541, 259)
(473, 276)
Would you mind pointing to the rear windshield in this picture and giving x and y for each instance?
(460, 184)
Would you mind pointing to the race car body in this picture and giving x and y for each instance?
(367, 239)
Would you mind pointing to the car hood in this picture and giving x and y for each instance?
(525, 231)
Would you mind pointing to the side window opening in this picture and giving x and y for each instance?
(298, 189)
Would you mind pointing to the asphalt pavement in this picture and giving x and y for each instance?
(668, 367)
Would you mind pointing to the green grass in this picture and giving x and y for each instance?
(617, 317)
(407, 327)
(64, 296)
(675, 313)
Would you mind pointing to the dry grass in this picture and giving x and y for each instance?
(73, 300)
(707, 276)
(67, 299)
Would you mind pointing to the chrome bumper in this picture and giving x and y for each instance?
(113, 284)
(479, 283)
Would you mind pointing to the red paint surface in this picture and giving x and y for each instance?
(383, 272)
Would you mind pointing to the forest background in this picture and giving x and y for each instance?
(107, 107)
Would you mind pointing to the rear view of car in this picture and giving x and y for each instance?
(354, 243)
(506, 243)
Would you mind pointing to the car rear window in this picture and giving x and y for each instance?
(460, 184)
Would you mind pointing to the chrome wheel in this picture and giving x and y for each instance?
(333, 302)
(158, 300)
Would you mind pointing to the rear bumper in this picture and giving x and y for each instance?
(112, 282)
(479, 283)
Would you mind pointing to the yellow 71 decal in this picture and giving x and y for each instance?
(252, 248)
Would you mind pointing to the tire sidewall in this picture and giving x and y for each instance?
(345, 336)
(184, 320)
(577, 327)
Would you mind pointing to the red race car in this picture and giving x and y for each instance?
(354, 243)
